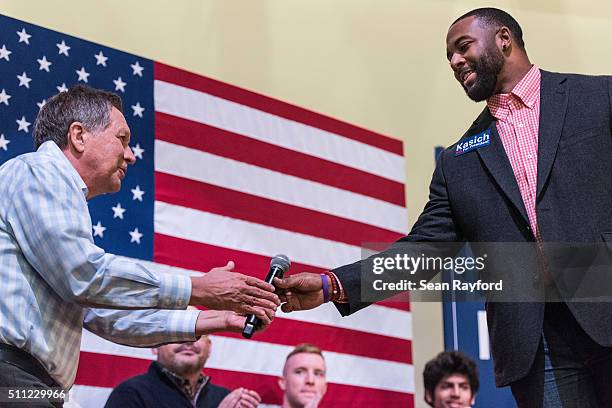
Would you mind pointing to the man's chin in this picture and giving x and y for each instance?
(305, 397)
(188, 360)
(116, 185)
(183, 366)
(454, 404)
(476, 93)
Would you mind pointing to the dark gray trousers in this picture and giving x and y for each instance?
(570, 369)
(12, 376)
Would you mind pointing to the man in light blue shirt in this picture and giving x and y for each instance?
(52, 273)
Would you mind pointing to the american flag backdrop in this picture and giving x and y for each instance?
(222, 174)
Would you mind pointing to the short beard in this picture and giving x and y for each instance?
(183, 368)
(486, 69)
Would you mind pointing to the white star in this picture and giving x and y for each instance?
(99, 230)
(24, 80)
(118, 211)
(101, 59)
(23, 124)
(83, 75)
(138, 151)
(119, 84)
(4, 53)
(63, 48)
(41, 104)
(44, 64)
(138, 193)
(136, 235)
(138, 110)
(4, 97)
(62, 87)
(137, 69)
(4, 142)
(23, 36)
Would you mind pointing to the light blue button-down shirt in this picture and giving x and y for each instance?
(51, 272)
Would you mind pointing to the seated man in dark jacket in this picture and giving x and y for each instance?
(176, 380)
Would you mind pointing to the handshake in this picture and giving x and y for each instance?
(232, 296)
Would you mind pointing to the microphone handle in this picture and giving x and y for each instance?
(253, 322)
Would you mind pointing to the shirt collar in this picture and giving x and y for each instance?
(51, 148)
(183, 384)
(526, 93)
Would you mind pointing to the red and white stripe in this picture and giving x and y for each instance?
(242, 176)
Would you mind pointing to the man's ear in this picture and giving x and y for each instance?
(76, 137)
(504, 38)
(281, 383)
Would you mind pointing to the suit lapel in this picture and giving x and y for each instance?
(496, 161)
(553, 105)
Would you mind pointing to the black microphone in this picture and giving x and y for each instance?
(278, 266)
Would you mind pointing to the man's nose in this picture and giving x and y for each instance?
(457, 61)
(128, 155)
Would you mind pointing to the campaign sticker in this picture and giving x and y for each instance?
(473, 142)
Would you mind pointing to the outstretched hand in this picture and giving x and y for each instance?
(213, 321)
(223, 289)
(302, 291)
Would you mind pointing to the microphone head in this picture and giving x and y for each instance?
(282, 262)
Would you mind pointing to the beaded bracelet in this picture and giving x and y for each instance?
(334, 292)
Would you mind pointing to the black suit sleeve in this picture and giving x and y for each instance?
(435, 224)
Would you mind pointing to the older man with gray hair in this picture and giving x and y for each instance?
(52, 272)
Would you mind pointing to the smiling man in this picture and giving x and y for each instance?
(478, 50)
(451, 381)
(303, 382)
(537, 160)
(177, 380)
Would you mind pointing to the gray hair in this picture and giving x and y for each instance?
(80, 103)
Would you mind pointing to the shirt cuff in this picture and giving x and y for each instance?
(174, 291)
(181, 325)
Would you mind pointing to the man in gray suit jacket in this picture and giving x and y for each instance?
(535, 167)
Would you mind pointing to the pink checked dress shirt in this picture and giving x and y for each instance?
(518, 118)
